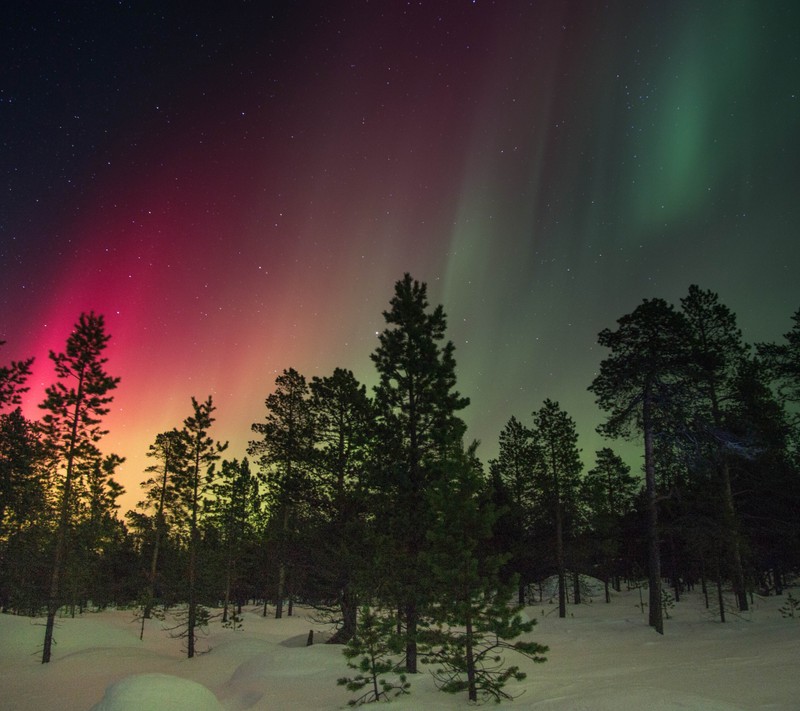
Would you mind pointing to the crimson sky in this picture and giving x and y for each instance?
(237, 189)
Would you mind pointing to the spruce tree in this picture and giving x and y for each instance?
(74, 407)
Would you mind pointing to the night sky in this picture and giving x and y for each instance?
(238, 189)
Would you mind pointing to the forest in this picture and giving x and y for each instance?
(373, 508)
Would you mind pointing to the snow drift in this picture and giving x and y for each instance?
(602, 657)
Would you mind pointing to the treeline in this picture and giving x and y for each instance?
(358, 502)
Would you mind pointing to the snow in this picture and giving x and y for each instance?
(147, 692)
(602, 657)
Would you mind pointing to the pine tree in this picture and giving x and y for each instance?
(12, 381)
(231, 508)
(284, 454)
(22, 485)
(98, 531)
(344, 439)
(637, 385)
(784, 361)
(418, 430)
(475, 625)
(558, 466)
(198, 473)
(513, 471)
(23, 502)
(608, 490)
(717, 352)
(161, 497)
(74, 407)
(372, 651)
(768, 474)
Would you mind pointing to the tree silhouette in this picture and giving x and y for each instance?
(284, 456)
(557, 466)
(201, 451)
(475, 625)
(161, 496)
(608, 491)
(417, 430)
(513, 476)
(344, 438)
(74, 406)
(717, 351)
(638, 383)
(12, 381)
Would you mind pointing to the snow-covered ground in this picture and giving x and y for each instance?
(602, 658)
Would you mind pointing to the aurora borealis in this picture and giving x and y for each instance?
(237, 189)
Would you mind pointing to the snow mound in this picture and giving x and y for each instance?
(156, 692)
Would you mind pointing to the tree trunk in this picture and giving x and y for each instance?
(562, 583)
(282, 565)
(159, 532)
(656, 620)
(735, 551)
(704, 582)
(411, 637)
(227, 598)
(348, 602)
(470, 661)
(192, 616)
(63, 529)
(281, 585)
(151, 582)
(729, 512)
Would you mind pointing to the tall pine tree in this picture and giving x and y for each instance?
(418, 431)
(74, 406)
(344, 439)
(717, 353)
(284, 454)
(638, 385)
(201, 451)
(558, 467)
